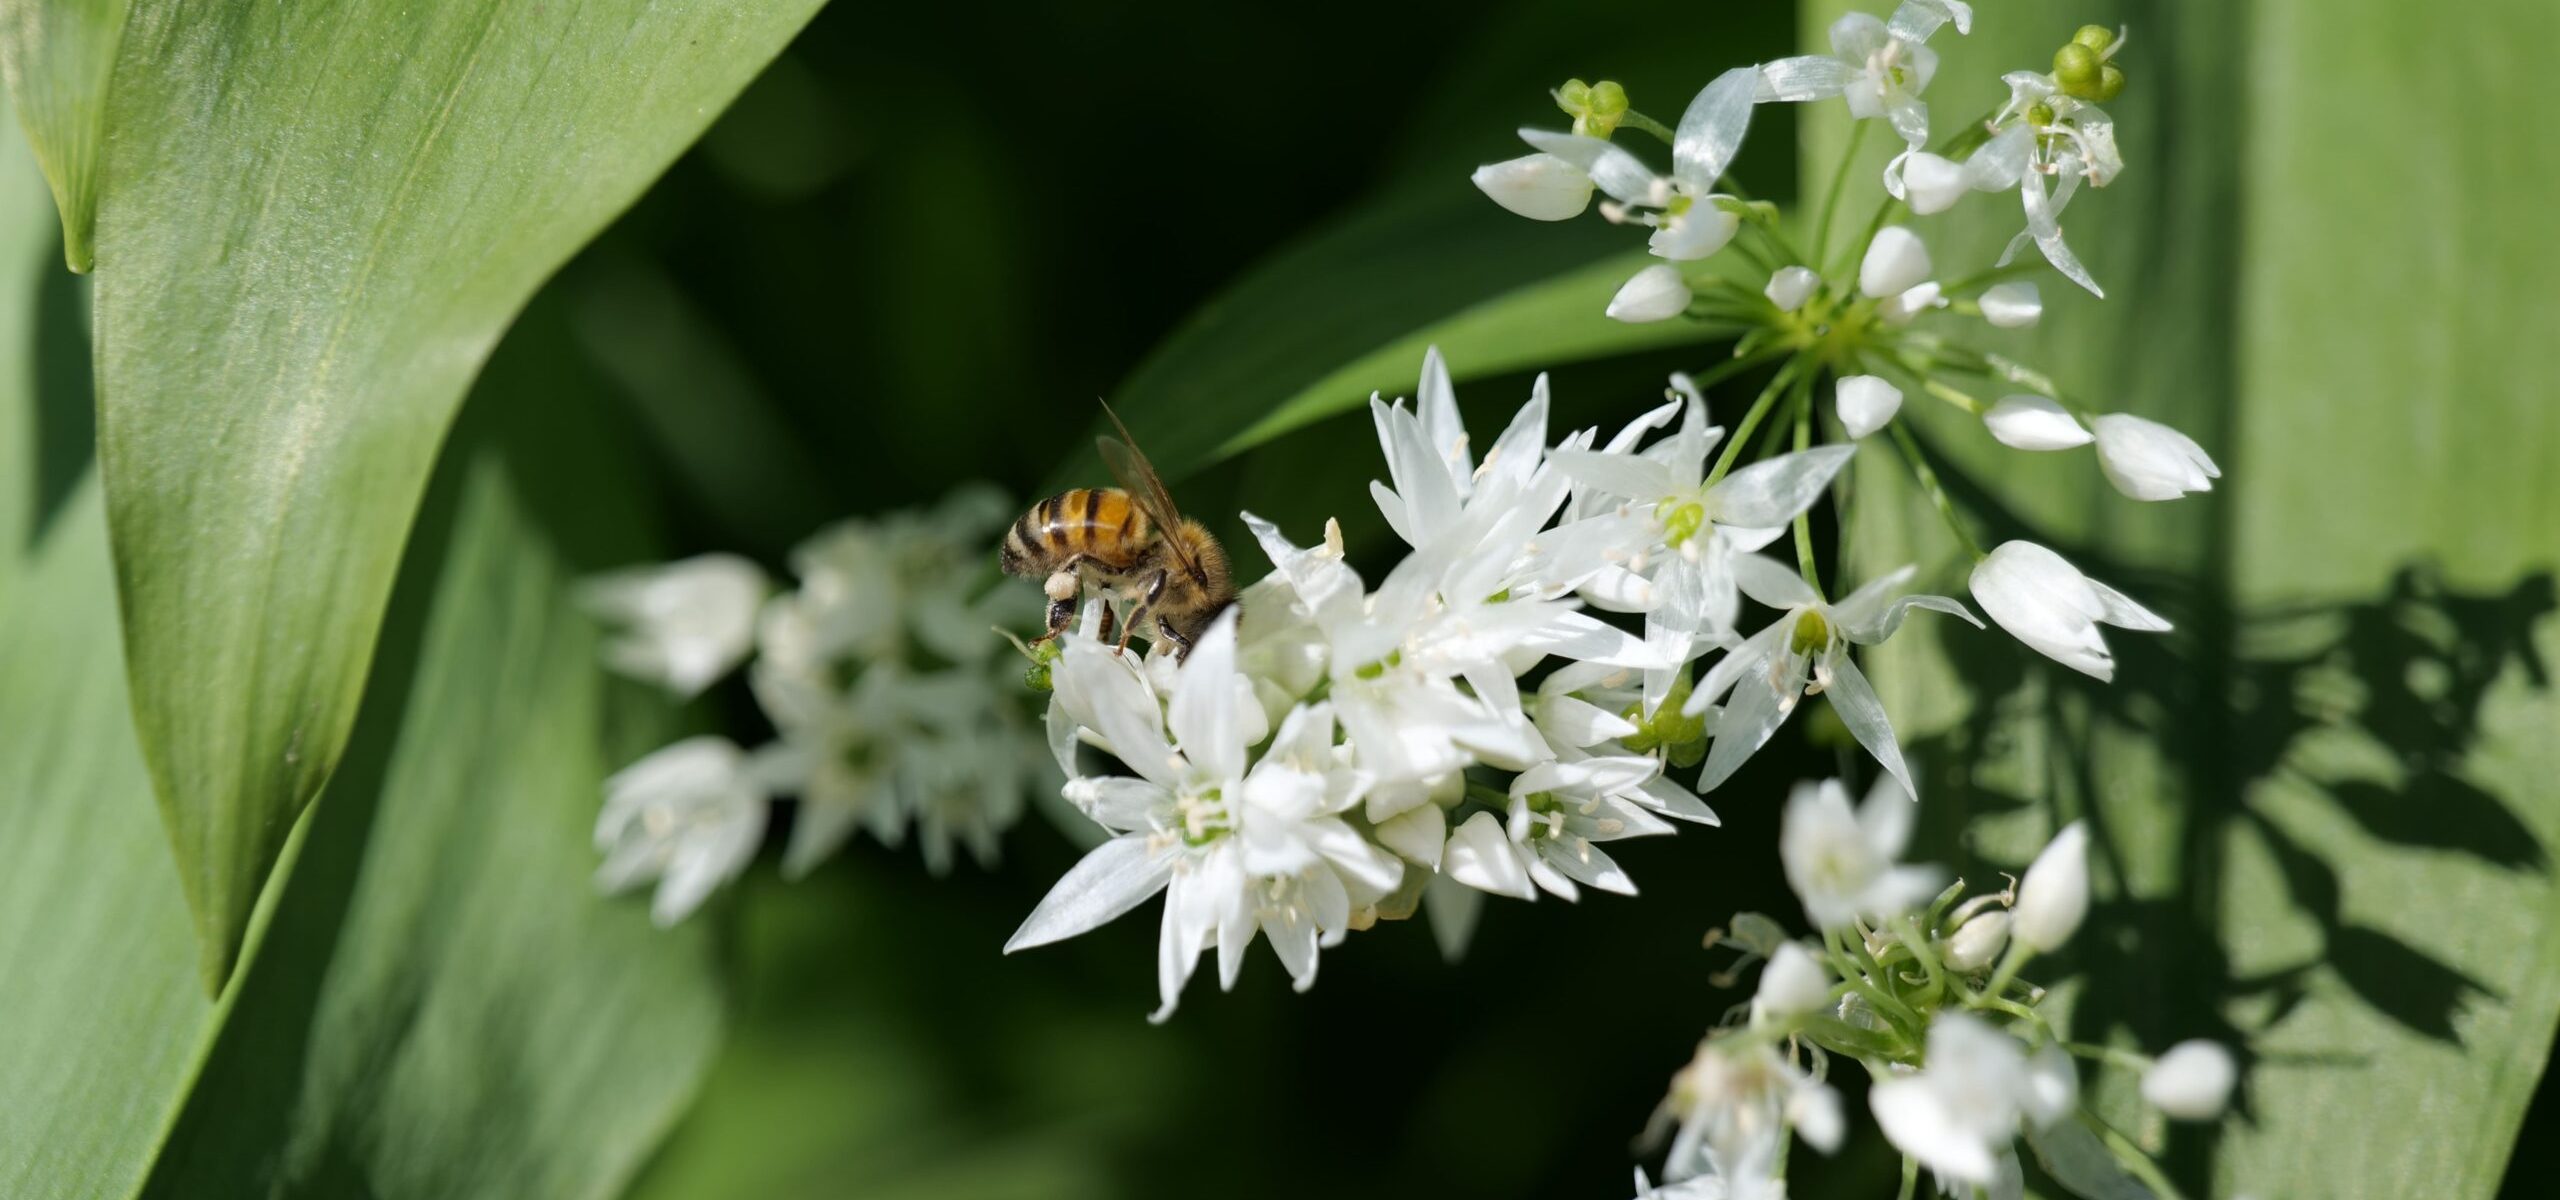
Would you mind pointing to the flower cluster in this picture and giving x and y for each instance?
(1920, 986)
(893, 706)
(1334, 753)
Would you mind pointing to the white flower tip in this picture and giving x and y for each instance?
(2054, 896)
(1794, 982)
(1933, 184)
(1977, 943)
(2192, 1082)
(1541, 187)
(2147, 460)
(1656, 293)
(1896, 262)
(1790, 287)
(2015, 305)
(2026, 422)
(1865, 403)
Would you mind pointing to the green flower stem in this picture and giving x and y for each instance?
(1839, 181)
(1751, 419)
(1908, 929)
(2009, 963)
(2132, 1157)
(1841, 1037)
(1889, 1006)
(2110, 1055)
(1804, 520)
(1643, 124)
(1978, 279)
(1910, 1175)
(1927, 477)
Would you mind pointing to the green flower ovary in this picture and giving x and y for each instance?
(1681, 520)
(1812, 635)
(1596, 108)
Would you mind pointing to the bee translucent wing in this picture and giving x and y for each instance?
(1138, 478)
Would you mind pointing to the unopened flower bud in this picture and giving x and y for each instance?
(2055, 894)
(2026, 422)
(1865, 403)
(1896, 262)
(2096, 37)
(1540, 187)
(2076, 69)
(2147, 460)
(1790, 287)
(1656, 293)
(1794, 982)
(1978, 942)
(2191, 1082)
(1933, 184)
(2012, 305)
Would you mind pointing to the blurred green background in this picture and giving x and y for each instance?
(922, 244)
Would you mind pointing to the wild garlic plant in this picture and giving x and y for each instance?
(894, 709)
(1923, 988)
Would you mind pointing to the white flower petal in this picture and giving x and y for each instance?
(2016, 305)
(2054, 895)
(1617, 172)
(2025, 422)
(1896, 261)
(1656, 293)
(1541, 187)
(1790, 287)
(2192, 1082)
(1865, 403)
(1113, 878)
(1768, 494)
(2147, 460)
(1933, 184)
(1711, 129)
(1480, 855)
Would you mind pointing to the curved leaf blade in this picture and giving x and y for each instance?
(57, 55)
(315, 222)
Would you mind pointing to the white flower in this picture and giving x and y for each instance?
(2191, 1082)
(1790, 287)
(1439, 488)
(689, 816)
(1690, 220)
(688, 622)
(1896, 262)
(1736, 1101)
(2147, 460)
(1975, 944)
(1682, 529)
(1843, 864)
(1865, 403)
(2044, 133)
(1880, 68)
(2048, 604)
(1805, 652)
(1656, 293)
(2015, 305)
(1239, 849)
(1793, 983)
(2054, 896)
(2026, 422)
(1540, 187)
(1902, 307)
(1959, 1114)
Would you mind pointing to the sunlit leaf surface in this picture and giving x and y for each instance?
(314, 222)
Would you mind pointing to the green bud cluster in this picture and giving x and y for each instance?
(1681, 737)
(1044, 655)
(1596, 108)
(2081, 68)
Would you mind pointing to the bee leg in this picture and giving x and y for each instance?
(1173, 637)
(1107, 617)
(1139, 612)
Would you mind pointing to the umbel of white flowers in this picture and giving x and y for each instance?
(896, 711)
(1902, 981)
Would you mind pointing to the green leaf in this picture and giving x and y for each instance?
(2322, 804)
(57, 55)
(1351, 311)
(104, 1010)
(435, 1002)
(314, 222)
(25, 229)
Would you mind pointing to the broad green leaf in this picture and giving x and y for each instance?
(103, 1007)
(26, 234)
(435, 1003)
(314, 222)
(2323, 804)
(57, 55)
(1351, 311)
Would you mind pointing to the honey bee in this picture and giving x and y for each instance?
(1131, 543)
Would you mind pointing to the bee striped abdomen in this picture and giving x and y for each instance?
(1099, 523)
